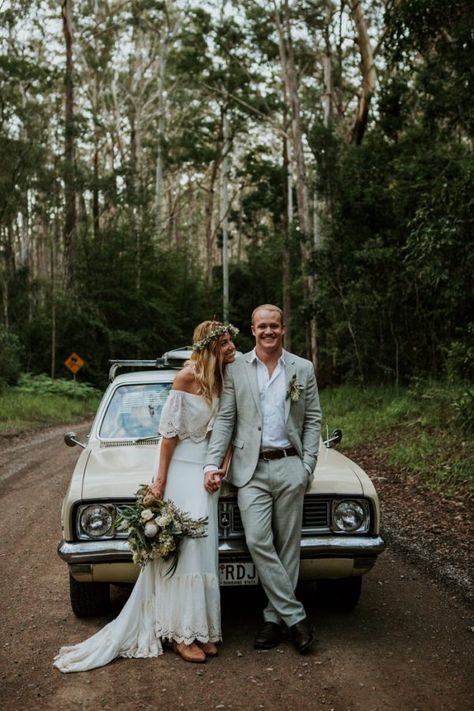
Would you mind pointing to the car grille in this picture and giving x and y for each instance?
(105, 444)
(316, 513)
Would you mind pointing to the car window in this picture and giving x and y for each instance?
(134, 411)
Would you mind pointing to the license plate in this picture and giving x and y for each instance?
(237, 574)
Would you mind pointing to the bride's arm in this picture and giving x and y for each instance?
(185, 382)
(168, 445)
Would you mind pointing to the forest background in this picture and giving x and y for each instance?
(322, 150)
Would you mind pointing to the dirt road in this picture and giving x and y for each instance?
(408, 645)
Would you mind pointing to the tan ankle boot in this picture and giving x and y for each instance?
(209, 648)
(189, 652)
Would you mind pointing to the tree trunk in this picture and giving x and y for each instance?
(287, 222)
(116, 113)
(95, 191)
(5, 304)
(327, 68)
(163, 56)
(292, 100)
(210, 211)
(369, 76)
(136, 145)
(95, 157)
(133, 187)
(223, 219)
(70, 221)
(321, 202)
(53, 298)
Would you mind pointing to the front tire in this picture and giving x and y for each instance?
(342, 594)
(89, 599)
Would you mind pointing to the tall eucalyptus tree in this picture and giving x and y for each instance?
(70, 198)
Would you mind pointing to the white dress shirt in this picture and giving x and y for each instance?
(272, 402)
(272, 390)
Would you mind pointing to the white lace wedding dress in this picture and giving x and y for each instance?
(185, 606)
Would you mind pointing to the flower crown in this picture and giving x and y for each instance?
(214, 334)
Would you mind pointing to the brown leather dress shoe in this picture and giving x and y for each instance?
(189, 652)
(268, 637)
(209, 648)
(302, 635)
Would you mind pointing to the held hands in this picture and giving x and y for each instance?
(213, 480)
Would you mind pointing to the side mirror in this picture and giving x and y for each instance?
(334, 439)
(70, 438)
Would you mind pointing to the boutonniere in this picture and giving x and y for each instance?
(294, 390)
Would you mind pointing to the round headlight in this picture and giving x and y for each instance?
(96, 520)
(349, 516)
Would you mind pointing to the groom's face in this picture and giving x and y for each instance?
(268, 330)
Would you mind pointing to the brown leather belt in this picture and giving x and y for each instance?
(268, 454)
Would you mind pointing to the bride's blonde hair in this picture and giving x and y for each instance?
(208, 362)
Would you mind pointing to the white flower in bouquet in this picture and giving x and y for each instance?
(151, 529)
(177, 528)
(147, 514)
(163, 520)
(167, 542)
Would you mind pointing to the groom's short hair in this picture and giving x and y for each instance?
(268, 307)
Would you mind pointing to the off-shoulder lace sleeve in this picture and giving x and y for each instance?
(171, 415)
(185, 415)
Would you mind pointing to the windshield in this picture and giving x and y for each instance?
(134, 411)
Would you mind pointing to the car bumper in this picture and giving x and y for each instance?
(362, 548)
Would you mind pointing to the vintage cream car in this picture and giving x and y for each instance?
(341, 522)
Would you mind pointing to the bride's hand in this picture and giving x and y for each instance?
(155, 491)
(158, 488)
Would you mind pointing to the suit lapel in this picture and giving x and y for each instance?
(290, 373)
(251, 372)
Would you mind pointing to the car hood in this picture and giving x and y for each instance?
(336, 474)
(116, 471)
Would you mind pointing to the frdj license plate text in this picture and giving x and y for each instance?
(238, 574)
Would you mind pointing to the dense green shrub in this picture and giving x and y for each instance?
(10, 356)
(43, 385)
(460, 359)
(464, 408)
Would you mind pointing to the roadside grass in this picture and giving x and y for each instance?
(426, 429)
(39, 401)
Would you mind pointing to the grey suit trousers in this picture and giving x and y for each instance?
(271, 506)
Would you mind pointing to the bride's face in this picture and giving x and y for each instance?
(227, 348)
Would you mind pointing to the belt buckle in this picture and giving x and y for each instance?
(263, 456)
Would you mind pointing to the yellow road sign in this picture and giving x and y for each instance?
(74, 363)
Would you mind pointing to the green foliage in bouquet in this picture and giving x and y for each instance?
(156, 528)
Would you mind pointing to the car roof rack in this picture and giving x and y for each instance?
(171, 359)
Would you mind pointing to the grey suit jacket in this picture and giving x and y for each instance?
(239, 420)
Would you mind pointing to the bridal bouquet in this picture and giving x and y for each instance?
(156, 528)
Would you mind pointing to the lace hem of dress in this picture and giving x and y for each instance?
(190, 636)
(153, 649)
(183, 434)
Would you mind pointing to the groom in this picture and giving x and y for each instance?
(270, 412)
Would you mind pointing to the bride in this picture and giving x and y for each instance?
(183, 609)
